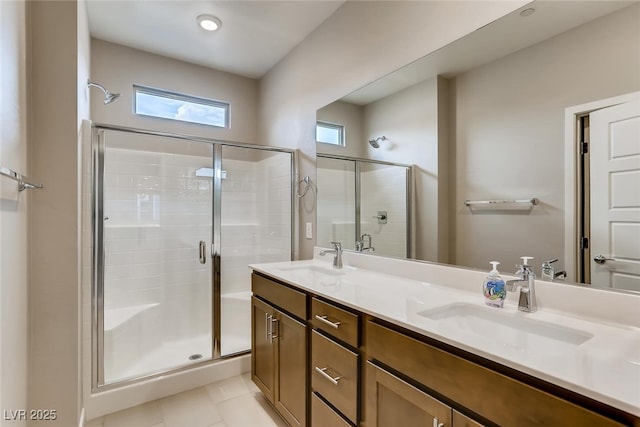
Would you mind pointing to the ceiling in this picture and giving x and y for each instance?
(500, 38)
(255, 35)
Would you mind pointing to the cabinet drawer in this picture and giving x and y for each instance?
(469, 384)
(323, 416)
(284, 297)
(460, 420)
(335, 321)
(334, 374)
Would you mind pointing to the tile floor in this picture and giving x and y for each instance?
(235, 402)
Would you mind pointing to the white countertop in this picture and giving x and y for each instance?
(605, 367)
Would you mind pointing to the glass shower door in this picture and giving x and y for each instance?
(255, 211)
(337, 202)
(156, 201)
(384, 208)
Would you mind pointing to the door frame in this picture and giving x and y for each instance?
(571, 180)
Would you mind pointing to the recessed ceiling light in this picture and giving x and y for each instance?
(527, 12)
(209, 22)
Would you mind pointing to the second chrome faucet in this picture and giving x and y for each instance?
(337, 251)
(360, 247)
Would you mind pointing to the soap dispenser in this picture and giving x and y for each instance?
(494, 287)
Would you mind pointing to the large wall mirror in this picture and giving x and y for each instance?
(491, 127)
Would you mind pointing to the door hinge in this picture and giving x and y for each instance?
(584, 148)
(584, 243)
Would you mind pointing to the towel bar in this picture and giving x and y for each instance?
(24, 183)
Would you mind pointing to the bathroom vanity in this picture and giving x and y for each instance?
(389, 342)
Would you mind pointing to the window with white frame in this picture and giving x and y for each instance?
(176, 106)
(330, 133)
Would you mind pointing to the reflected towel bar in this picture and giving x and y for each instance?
(24, 183)
(533, 201)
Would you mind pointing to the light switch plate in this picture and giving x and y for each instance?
(309, 230)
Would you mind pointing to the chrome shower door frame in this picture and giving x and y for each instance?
(358, 193)
(98, 253)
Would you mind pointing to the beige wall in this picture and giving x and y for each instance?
(13, 210)
(118, 68)
(350, 49)
(59, 55)
(510, 135)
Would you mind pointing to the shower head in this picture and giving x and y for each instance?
(108, 96)
(375, 143)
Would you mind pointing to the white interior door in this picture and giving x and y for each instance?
(615, 196)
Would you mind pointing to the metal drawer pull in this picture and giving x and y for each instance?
(322, 372)
(437, 423)
(327, 321)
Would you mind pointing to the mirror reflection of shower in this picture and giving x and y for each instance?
(358, 198)
(109, 96)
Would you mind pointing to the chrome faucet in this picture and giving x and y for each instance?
(526, 285)
(549, 272)
(337, 251)
(360, 247)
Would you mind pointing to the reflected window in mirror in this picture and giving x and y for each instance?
(330, 133)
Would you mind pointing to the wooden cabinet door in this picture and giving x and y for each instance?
(393, 402)
(290, 339)
(460, 420)
(262, 351)
(323, 416)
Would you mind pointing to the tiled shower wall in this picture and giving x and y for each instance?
(336, 206)
(384, 189)
(274, 205)
(256, 216)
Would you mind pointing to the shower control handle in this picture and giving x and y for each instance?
(381, 217)
(203, 252)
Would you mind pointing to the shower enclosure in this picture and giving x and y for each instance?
(177, 219)
(365, 201)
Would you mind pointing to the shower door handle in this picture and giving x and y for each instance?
(203, 252)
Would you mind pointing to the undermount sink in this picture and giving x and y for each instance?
(314, 269)
(507, 330)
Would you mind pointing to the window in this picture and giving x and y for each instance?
(175, 106)
(329, 133)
